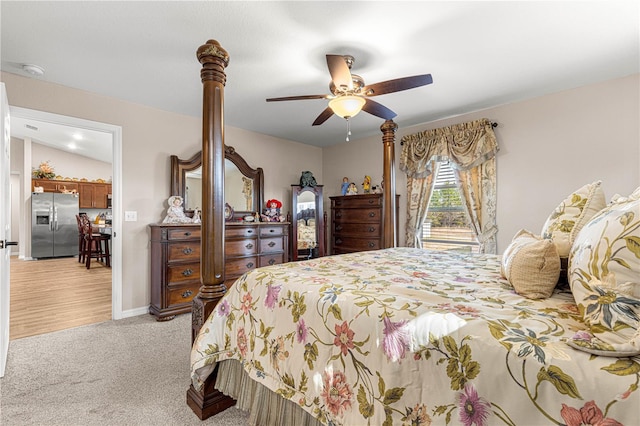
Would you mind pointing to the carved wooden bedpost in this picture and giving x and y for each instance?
(389, 177)
(214, 60)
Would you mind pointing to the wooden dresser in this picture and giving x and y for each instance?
(175, 259)
(356, 223)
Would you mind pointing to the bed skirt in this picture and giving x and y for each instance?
(265, 407)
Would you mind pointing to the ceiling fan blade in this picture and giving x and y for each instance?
(297, 98)
(379, 110)
(397, 85)
(324, 116)
(339, 70)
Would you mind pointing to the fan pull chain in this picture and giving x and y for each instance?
(348, 129)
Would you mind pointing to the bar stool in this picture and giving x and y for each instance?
(93, 244)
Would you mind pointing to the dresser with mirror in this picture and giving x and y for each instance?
(175, 248)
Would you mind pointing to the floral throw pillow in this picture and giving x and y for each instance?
(613, 318)
(564, 223)
(604, 275)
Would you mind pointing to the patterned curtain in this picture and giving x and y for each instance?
(467, 146)
(419, 193)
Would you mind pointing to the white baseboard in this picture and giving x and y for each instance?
(135, 312)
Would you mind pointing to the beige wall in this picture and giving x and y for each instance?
(149, 137)
(549, 146)
(69, 165)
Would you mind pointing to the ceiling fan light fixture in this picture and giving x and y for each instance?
(347, 106)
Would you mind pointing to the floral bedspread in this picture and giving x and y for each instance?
(409, 336)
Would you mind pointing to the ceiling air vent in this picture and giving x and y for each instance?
(30, 127)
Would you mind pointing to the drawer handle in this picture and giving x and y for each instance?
(187, 250)
(371, 201)
(186, 294)
(250, 265)
(372, 229)
(271, 244)
(272, 261)
(339, 228)
(371, 244)
(338, 214)
(372, 214)
(249, 231)
(187, 272)
(249, 246)
(339, 241)
(187, 234)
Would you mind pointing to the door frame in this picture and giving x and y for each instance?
(116, 187)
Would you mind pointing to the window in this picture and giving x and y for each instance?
(446, 226)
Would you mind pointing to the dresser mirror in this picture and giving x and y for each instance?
(243, 186)
(308, 235)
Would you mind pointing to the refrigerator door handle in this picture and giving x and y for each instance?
(55, 217)
(51, 218)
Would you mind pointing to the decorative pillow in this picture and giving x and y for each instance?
(604, 275)
(613, 318)
(608, 247)
(532, 265)
(563, 225)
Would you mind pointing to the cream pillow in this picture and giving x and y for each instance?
(532, 265)
(563, 225)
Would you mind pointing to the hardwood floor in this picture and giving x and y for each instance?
(56, 294)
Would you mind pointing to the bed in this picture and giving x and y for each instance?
(411, 336)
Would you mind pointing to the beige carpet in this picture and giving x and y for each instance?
(133, 371)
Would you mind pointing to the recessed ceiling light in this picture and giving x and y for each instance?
(77, 136)
(34, 70)
(72, 145)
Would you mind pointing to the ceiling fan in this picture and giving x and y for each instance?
(349, 95)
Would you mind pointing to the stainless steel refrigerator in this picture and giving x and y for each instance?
(54, 228)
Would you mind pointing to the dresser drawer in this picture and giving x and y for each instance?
(270, 245)
(237, 267)
(183, 251)
(356, 202)
(241, 247)
(271, 259)
(266, 231)
(184, 234)
(239, 231)
(181, 273)
(182, 294)
(356, 244)
(366, 230)
(373, 215)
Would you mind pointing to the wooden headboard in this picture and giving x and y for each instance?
(214, 60)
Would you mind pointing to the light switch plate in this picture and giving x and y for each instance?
(130, 216)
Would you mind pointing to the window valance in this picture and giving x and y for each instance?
(466, 145)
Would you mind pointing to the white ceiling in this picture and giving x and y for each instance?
(480, 54)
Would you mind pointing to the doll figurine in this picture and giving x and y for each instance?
(272, 212)
(175, 212)
(345, 185)
(352, 189)
(366, 185)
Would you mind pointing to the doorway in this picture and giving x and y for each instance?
(115, 134)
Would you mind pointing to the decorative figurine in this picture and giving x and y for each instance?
(175, 212)
(307, 179)
(345, 185)
(366, 185)
(352, 189)
(272, 212)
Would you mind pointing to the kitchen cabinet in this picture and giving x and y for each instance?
(93, 195)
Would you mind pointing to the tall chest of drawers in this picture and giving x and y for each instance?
(356, 223)
(175, 260)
